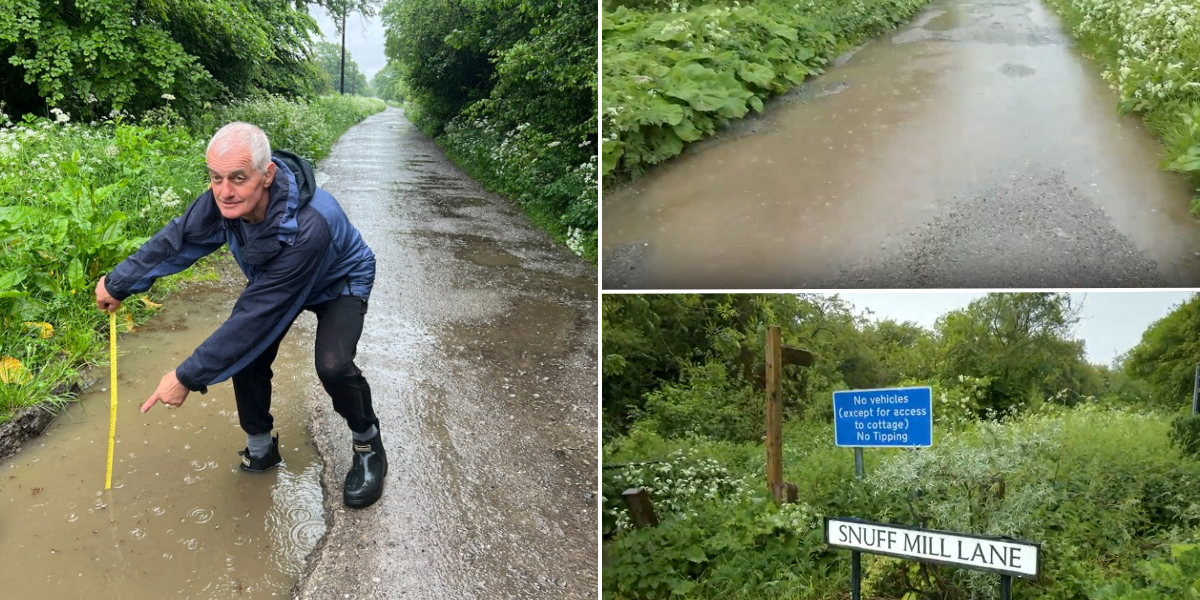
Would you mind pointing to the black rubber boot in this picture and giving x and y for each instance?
(368, 466)
(258, 465)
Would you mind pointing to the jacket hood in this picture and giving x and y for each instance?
(306, 183)
(293, 188)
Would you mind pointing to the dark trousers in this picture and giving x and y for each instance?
(339, 325)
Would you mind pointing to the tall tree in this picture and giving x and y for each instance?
(1167, 355)
(388, 84)
(91, 57)
(340, 10)
(1022, 341)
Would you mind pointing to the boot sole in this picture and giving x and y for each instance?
(249, 470)
(364, 501)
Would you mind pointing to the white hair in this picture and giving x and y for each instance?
(243, 135)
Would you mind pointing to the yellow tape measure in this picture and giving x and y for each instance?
(112, 412)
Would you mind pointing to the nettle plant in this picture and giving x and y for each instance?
(674, 486)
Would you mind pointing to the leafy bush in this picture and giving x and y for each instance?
(1099, 488)
(674, 484)
(719, 549)
(676, 74)
(1185, 434)
(308, 128)
(1150, 50)
(1160, 578)
(101, 55)
(705, 404)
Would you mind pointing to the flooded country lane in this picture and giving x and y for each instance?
(971, 148)
(480, 349)
(181, 520)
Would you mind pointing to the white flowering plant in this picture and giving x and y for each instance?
(676, 486)
(1150, 53)
(552, 180)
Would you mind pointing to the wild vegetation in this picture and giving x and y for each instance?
(675, 71)
(1150, 52)
(508, 88)
(1093, 462)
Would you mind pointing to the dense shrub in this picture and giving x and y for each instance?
(93, 57)
(1098, 488)
(1185, 434)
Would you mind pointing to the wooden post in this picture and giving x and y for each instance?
(640, 509)
(774, 360)
(785, 493)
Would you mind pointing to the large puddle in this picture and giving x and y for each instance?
(971, 95)
(182, 520)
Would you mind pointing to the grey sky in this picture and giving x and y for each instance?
(1110, 322)
(364, 39)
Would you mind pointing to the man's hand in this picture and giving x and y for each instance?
(169, 392)
(104, 301)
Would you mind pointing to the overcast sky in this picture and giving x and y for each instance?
(1110, 322)
(364, 39)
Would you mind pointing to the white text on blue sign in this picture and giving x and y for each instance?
(901, 417)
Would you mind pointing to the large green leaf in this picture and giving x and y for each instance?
(687, 131)
(1187, 162)
(758, 74)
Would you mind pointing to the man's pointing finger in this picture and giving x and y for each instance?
(150, 402)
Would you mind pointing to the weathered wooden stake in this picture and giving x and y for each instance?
(640, 508)
(785, 493)
(774, 360)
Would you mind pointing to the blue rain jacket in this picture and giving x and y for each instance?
(304, 253)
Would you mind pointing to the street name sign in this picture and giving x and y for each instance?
(995, 555)
(890, 418)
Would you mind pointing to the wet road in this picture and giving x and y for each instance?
(480, 348)
(182, 521)
(971, 148)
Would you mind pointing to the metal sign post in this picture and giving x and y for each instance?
(888, 418)
(1005, 557)
(855, 575)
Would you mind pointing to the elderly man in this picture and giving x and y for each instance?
(298, 251)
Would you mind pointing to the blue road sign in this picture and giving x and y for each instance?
(892, 418)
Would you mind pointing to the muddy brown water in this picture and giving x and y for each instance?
(972, 94)
(182, 520)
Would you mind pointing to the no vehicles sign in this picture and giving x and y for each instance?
(890, 418)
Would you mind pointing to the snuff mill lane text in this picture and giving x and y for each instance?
(988, 554)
